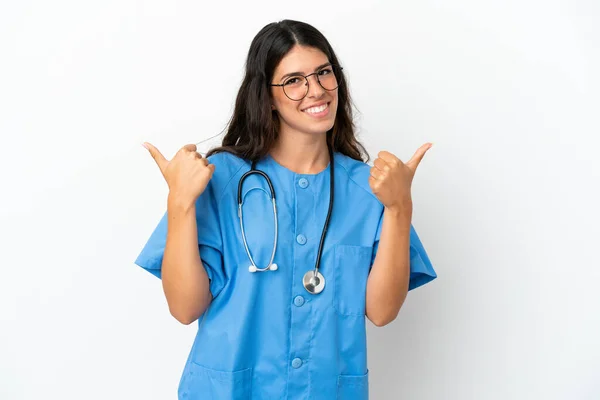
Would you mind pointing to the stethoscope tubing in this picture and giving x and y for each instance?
(253, 170)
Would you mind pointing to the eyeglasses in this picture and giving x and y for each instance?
(295, 87)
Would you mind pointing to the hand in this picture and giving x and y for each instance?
(187, 174)
(391, 179)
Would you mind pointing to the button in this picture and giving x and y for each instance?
(296, 363)
(301, 239)
(298, 301)
(303, 183)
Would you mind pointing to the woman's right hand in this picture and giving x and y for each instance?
(187, 174)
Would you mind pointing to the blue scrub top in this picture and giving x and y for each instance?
(264, 336)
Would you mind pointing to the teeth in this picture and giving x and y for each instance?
(314, 110)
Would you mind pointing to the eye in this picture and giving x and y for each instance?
(325, 71)
(295, 80)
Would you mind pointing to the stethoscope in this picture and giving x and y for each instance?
(313, 281)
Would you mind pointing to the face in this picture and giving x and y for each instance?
(315, 113)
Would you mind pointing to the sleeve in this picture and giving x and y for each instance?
(210, 245)
(421, 269)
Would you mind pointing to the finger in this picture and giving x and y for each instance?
(375, 184)
(189, 147)
(388, 157)
(381, 165)
(418, 156)
(203, 160)
(161, 161)
(376, 173)
(200, 157)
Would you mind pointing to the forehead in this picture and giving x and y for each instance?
(300, 59)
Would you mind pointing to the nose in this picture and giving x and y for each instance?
(314, 87)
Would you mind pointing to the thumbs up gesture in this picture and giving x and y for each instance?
(391, 179)
(187, 173)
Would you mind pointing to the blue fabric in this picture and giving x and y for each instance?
(264, 336)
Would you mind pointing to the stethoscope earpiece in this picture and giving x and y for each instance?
(254, 268)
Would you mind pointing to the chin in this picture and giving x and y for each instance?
(319, 128)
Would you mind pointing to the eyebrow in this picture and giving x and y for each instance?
(301, 73)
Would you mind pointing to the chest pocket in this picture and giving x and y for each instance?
(351, 266)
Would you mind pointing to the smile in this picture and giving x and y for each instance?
(318, 110)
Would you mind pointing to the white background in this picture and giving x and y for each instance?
(505, 201)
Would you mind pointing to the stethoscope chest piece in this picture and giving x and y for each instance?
(314, 284)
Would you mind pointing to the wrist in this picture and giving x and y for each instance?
(178, 204)
(400, 211)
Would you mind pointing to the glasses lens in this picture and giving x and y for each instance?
(329, 77)
(295, 87)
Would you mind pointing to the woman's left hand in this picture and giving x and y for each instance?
(391, 179)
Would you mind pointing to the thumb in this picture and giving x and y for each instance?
(413, 163)
(161, 161)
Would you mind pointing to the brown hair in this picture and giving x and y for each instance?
(254, 126)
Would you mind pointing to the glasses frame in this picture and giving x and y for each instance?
(308, 83)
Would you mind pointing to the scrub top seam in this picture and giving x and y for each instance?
(229, 182)
(310, 348)
(358, 184)
(295, 227)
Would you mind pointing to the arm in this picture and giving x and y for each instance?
(184, 279)
(388, 281)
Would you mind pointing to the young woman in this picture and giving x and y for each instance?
(281, 285)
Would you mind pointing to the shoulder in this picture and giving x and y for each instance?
(227, 167)
(356, 172)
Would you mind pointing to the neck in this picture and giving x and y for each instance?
(301, 153)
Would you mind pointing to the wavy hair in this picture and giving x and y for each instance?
(254, 126)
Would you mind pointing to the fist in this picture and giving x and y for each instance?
(187, 174)
(391, 179)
